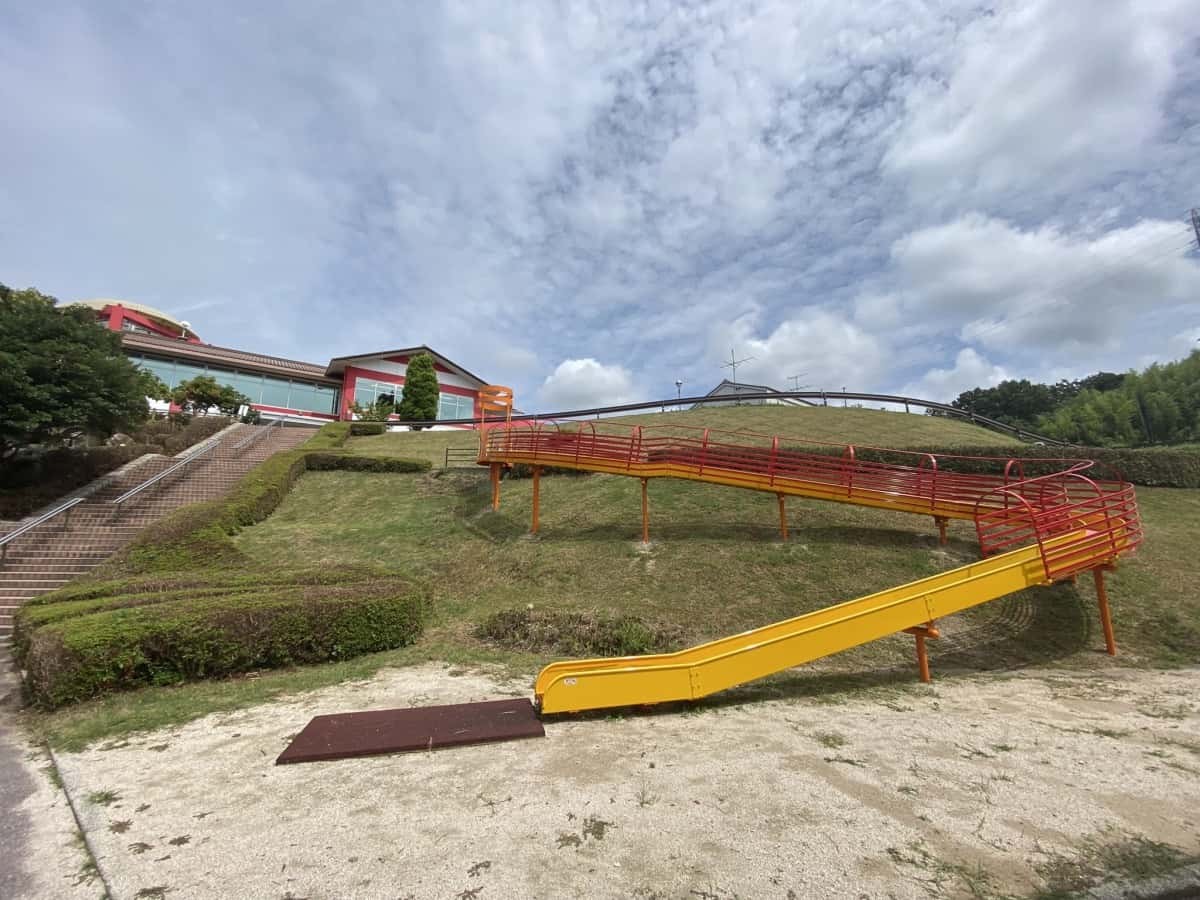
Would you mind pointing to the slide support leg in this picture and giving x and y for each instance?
(537, 485)
(495, 486)
(942, 522)
(782, 516)
(921, 633)
(645, 513)
(1110, 642)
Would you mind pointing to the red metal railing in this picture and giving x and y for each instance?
(1010, 510)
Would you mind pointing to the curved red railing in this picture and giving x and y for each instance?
(1091, 520)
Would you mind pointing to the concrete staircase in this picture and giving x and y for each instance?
(50, 555)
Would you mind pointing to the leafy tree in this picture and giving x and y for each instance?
(420, 400)
(384, 406)
(1159, 405)
(202, 393)
(62, 376)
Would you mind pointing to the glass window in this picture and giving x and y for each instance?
(275, 392)
(453, 406)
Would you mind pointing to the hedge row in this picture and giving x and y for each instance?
(324, 462)
(1151, 467)
(363, 429)
(191, 637)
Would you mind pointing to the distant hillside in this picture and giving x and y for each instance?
(834, 424)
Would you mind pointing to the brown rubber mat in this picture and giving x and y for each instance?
(345, 735)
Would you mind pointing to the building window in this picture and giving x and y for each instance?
(454, 406)
(367, 392)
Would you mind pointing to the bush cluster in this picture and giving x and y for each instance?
(325, 462)
(577, 633)
(89, 648)
(32, 482)
(363, 429)
(1151, 467)
(218, 617)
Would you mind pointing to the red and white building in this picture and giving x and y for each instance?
(277, 387)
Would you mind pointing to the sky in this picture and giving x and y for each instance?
(588, 202)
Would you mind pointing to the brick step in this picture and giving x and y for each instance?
(11, 593)
(67, 571)
(11, 583)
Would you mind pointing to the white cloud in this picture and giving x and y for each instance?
(969, 370)
(827, 350)
(1046, 89)
(585, 383)
(646, 183)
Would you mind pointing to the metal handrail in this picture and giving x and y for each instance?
(257, 435)
(40, 520)
(150, 482)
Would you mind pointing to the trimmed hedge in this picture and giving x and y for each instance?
(363, 429)
(1152, 467)
(326, 462)
(194, 637)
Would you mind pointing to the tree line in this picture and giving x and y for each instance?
(1159, 405)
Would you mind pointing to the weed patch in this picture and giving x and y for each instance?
(577, 633)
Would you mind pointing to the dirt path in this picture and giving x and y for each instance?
(984, 786)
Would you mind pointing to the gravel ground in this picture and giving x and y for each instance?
(981, 786)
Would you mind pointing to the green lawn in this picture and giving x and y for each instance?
(833, 424)
(715, 566)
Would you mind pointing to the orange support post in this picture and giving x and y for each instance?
(942, 522)
(495, 467)
(537, 482)
(1110, 642)
(782, 516)
(921, 632)
(645, 514)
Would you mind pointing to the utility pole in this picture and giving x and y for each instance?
(795, 380)
(678, 391)
(733, 363)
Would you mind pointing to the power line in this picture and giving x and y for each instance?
(1070, 286)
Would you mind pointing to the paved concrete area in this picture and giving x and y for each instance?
(984, 786)
(41, 854)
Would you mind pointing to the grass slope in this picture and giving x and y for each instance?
(715, 566)
(833, 424)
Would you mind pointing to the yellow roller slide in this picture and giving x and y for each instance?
(707, 668)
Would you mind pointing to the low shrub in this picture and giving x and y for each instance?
(1150, 466)
(524, 470)
(26, 484)
(577, 633)
(326, 462)
(198, 635)
(362, 429)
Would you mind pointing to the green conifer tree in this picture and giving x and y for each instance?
(420, 400)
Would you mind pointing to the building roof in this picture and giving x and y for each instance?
(734, 388)
(224, 356)
(338, 364)
(148, 311)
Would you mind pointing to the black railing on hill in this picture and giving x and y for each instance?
(1023, 434)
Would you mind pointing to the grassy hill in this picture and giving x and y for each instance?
(832, 424)
(876, 427)
(715, 566)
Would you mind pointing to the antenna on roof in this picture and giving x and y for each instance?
(732, 365)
